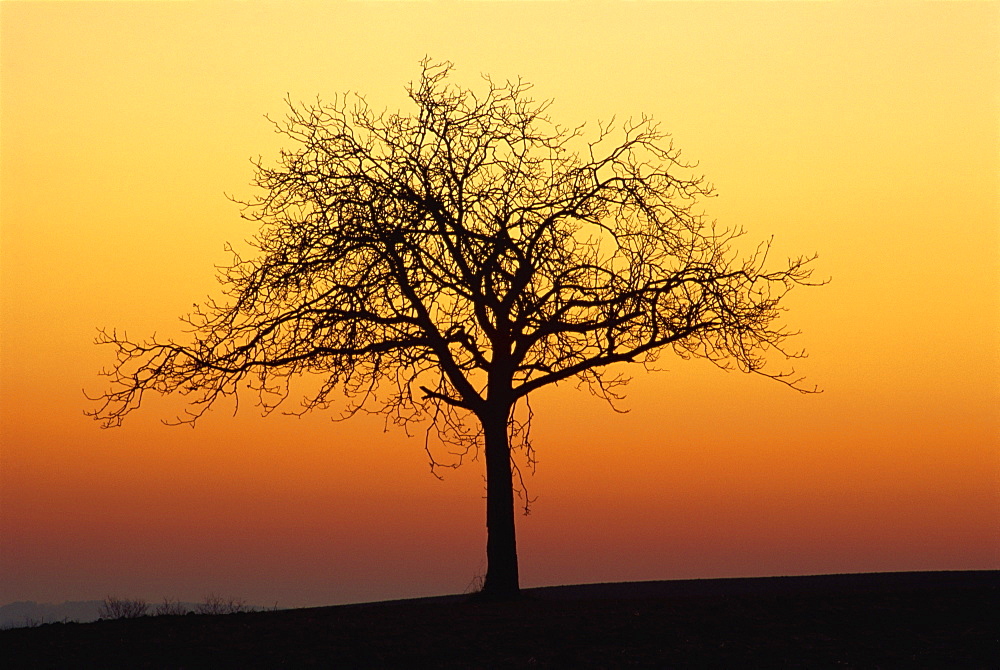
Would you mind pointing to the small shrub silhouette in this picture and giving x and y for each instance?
(215, 604)
(114, 607)
(170, 608)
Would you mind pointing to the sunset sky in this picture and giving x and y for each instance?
(868, 133)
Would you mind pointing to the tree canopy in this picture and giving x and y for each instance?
(441, 265)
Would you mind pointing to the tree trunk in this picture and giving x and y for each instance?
(501, 544)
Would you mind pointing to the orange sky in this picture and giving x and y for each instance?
(867, 133)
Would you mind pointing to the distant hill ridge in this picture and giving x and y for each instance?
(29, 613)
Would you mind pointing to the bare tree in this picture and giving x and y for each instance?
(440, 266)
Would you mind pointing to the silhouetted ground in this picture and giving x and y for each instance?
(932, 620)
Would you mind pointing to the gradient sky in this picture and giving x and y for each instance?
(868, 133)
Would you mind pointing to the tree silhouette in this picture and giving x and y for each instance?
(441, 266)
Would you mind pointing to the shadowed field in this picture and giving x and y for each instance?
(937, 619)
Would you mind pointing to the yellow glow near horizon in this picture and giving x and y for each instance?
(866, 133)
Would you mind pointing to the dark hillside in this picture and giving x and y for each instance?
(934, 620)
